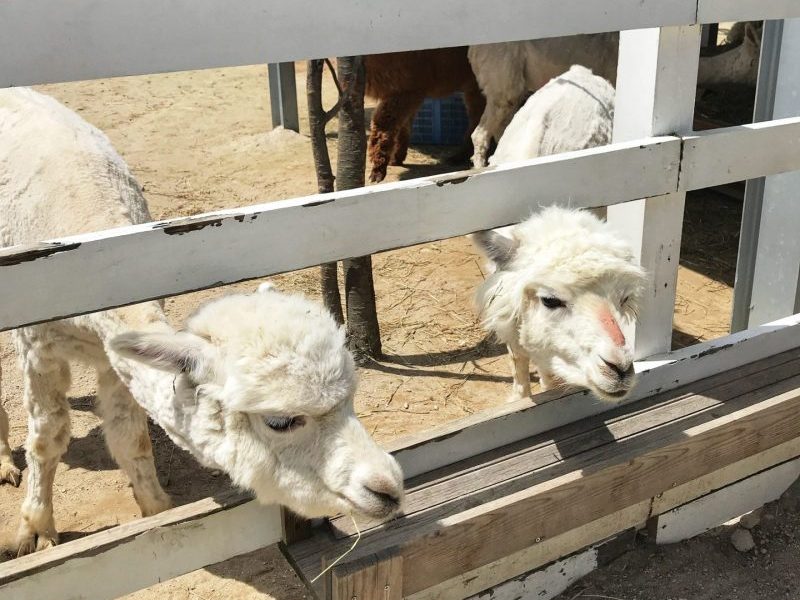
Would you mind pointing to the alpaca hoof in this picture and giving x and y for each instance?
(33, 543)
(10, 474)
(376, 176)
(516, 396)
(479, 160)
(155, 506)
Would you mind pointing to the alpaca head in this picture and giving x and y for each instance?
(263, 389)
(563, 286)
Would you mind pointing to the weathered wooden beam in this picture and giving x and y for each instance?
(713, 509)
(144, 552)
(377, 577)
(587, 476)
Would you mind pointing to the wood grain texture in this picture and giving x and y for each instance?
(377, 577)
(715, 508)
(643, 456)
(515, 466)
(480, 535)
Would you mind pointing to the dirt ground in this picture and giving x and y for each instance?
(199, 141)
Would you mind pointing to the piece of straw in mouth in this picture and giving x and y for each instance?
(346, 552)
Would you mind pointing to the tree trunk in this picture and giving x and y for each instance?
(317, 119)
(364, 337)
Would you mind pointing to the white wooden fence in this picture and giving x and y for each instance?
(656, 156)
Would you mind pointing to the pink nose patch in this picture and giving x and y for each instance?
(611, 327)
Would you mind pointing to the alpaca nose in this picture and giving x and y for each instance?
(621, 371)
(387, 491)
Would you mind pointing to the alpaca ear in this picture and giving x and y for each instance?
(173, 352)
(497, 247)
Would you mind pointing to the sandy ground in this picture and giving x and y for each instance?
(199, 141)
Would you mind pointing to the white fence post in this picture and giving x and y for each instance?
(776, 280)
(283, 96)
(754, 188)
(656, 80)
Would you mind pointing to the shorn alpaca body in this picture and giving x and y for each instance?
(260, 386)
(562, 286)
(571, 112)
(507, 71)
(400, 81)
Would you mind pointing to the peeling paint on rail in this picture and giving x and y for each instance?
(15, 256)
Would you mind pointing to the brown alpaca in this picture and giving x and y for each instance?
(400, 81)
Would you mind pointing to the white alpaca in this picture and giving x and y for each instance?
(260, 386)
(571, 112)
(507, 71)
(563, 283)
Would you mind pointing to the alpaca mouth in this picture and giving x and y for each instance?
(616, 394)
(383, 507)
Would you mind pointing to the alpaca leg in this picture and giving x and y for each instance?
(475, 104)
(46, 382)
(8, 471)
(389, 117)
(548, 381)
(493, 123)
(520, 364)
(125, 428)
(401, 145)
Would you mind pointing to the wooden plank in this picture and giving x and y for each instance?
(776, 277)
(378, 577)
(592, 485)
(656, 81)
(536, 555)
(514, 467)
(737, 471)
(165, 258)
(44, 41)
(283, 96)
(713, 509)
(483, 534)
(294, 528)
(715, 11)
(153, 549)
(738, 153)
(763, 110)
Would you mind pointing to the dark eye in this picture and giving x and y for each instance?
(552, 302)
(625, 300)
(284, 424)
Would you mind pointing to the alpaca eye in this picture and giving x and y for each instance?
(284, 424)
(625, 300)
(552, 302)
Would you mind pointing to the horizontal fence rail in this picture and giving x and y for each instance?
(112, 268)
(144, 552)
(107, 269)
(161, 36)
